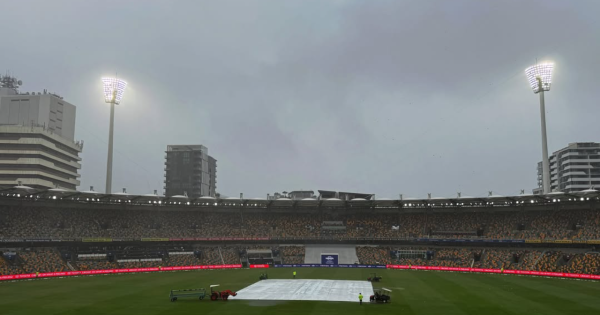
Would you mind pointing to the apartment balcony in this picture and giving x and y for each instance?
(568, 154)
(578, 167)
(577, 186)
(574, 173)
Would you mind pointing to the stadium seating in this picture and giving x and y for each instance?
(230, 255)
(530, 259)
(182, 260)
(42, 260)
(292, 254)
(548, 261)
(48, 260)
(140, 264)
(374, 255)
(8, 269)
(96, 265)
(76, 225)
(496, 259)
(588, 263)
(32, 222)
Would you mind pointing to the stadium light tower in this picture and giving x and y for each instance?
(113, 94)
(540, 79)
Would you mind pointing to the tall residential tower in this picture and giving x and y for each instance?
(573, 168)
(190, 170)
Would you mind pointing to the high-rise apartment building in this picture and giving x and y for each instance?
(37, 139)
(189, 170)
(573, 168)
(212, 176)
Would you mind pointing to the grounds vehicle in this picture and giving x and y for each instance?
(263, 276)
(382, 295)
(374, 278)
(215, 294)
(199, 293)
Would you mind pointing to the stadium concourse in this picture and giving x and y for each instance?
(58, 230)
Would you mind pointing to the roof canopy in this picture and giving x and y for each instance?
(462, 201)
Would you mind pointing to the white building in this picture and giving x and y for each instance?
(37, 145)
(574, 168)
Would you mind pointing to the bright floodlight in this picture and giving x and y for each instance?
(113, 90)
(543, 71)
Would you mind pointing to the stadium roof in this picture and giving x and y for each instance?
(436, 202)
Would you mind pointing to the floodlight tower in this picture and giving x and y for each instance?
(113, 94)
(540, 79)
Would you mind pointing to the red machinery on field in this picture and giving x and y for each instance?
(382, 295)
(216, 294)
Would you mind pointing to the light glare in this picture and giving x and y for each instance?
(113, 90)
(544, 72)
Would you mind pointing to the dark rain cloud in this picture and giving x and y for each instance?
(386, 97)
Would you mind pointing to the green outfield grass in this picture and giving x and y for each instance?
(414, 292)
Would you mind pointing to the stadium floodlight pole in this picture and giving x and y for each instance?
(113, 94)
(540, 79)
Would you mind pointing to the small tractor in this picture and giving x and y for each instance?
(263, 276)
(374, 278)
(215, 294)
(382, 295)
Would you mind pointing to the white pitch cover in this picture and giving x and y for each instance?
(306, 290)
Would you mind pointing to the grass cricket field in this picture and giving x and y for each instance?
(414, 292)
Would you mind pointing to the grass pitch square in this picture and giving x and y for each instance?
(305, 290)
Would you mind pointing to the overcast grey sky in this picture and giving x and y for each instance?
(383, 97)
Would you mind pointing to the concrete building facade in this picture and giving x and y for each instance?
(37, 139)
(189, 170)
(212, 176)
(573, 168)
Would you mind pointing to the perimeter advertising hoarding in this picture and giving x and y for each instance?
(112, 271)
(259, 266)
(131, 270)
(517, 272)
(330, 266)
